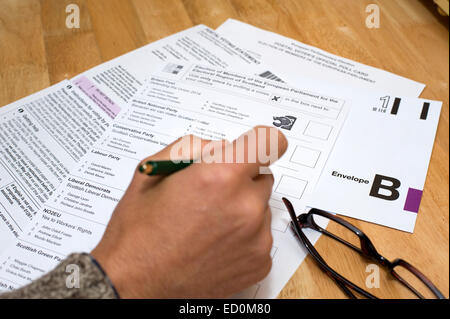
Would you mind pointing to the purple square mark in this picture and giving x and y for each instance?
(413, 200)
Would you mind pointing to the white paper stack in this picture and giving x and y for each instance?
(359, 140)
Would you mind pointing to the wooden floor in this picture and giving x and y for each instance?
(37, 50)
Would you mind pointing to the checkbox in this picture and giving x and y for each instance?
(291, 186)
(318, 130)
(273, 251)
(305, 156)
(280, 219)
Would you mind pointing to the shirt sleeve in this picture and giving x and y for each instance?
(78, 276)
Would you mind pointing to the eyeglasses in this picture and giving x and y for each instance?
(410, 276)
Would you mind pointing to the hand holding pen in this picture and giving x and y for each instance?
(202, 231)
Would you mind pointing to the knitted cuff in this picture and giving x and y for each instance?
(78, 276)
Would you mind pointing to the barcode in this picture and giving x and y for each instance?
(173, 68)
(269, 75)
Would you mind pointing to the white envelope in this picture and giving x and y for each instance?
(378, 167)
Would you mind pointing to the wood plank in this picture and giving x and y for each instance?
(210, 13)
(116, 27)
(23, 65)
(69, 51)
(161, 18)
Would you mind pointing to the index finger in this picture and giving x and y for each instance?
(184, 148)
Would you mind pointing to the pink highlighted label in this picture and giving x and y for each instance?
(97, 96)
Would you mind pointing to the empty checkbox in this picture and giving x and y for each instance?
(305, 156)
(291, 186)
(280, 219)
(318, 130)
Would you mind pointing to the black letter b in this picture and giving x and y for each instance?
(377, 184)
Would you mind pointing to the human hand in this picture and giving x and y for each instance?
(202, 232)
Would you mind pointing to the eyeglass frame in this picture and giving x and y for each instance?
(367, 250)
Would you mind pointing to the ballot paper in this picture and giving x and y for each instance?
(183, 99)
(378, 167)
(289, 59)
(44, 135)
(122, 77)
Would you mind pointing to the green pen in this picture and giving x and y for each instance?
(163, 167)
